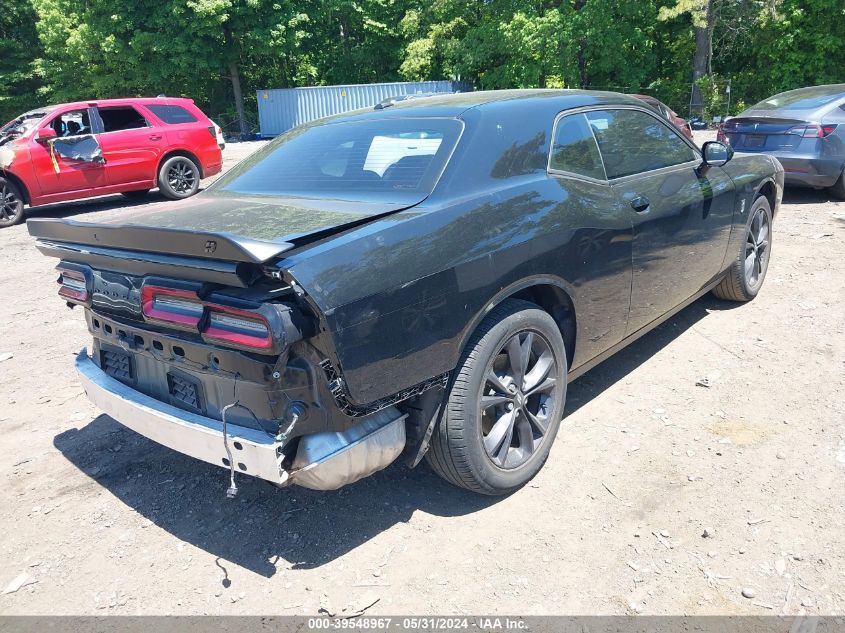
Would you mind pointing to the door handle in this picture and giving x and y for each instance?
(155, 137)
(640, 204)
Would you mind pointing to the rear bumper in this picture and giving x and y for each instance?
(195, 435)
(807, 171)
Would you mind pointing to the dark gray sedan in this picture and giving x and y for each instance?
(804, 129)
(423, 278)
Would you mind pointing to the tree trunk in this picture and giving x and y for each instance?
(702, 61)
(235, 77)
(582, 51)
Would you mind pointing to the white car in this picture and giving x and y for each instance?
(221, 142)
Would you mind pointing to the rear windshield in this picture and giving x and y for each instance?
(388, 160)
(804, 99)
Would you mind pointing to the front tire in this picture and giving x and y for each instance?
(505, 402)
(11, 203)
(178, 178)
(746, 275)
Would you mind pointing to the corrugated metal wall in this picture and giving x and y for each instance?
(281, 109)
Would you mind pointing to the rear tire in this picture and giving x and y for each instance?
(501, 416)
(748, 271)
(11, 203)
(838, 188)
(135, 195)
(178, 178)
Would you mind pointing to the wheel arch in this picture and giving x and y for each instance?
(179, 152)
(768, 189)
(18, 183)
(550, 293)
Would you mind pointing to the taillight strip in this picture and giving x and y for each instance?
(183, 309)
(238, 327)
(171, 306)
(73, 285)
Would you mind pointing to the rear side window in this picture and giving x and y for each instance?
(349, 160)
(172, 114)
(121, 118)
(574, 149)
(633, 142)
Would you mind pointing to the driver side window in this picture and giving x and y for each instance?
(73, 123)
(633, 142)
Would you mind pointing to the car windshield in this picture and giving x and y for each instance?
(386, 160)
(22, 124)
(804, 99)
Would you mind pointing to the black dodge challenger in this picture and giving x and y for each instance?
(419, 279)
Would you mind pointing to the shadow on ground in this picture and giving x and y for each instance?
(803, 195)
(265, 526)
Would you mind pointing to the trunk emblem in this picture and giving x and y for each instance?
(210, 246)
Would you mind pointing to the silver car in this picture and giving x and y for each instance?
(804, 129)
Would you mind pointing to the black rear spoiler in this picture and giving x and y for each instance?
(163, 241)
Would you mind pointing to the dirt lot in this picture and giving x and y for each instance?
(96, 519)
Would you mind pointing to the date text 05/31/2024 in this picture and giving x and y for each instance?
(418, 624)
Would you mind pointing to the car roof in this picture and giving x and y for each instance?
(455, 104)
(119, 102)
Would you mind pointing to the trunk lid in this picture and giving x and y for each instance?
(237, 229)
(760, 133)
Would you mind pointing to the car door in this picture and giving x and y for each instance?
(681, 211)
(65, 164)
(131, 144)
(600, 260)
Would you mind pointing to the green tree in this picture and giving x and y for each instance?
(19, 48)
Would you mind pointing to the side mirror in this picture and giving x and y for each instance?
(45, 134)
(716, 154)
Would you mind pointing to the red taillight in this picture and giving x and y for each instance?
(244, 328)
(212, 131)
(720, 134)
(73, 285)
(181, 308)
(812, 130)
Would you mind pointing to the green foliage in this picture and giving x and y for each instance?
(19, 47)
(58, 50)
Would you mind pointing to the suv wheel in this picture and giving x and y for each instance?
(505, 402)
(178, 177)
(11, 203)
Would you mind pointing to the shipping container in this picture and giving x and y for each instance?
(282, 109)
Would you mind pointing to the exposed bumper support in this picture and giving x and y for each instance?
(183, 431)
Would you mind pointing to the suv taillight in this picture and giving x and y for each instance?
(212, 131)
(812, 131)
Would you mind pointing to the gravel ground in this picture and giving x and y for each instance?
(660, 496)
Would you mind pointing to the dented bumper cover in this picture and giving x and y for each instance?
(254, 452)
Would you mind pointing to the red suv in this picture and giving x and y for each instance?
(128, 146)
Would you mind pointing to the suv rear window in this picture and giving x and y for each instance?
(349, 160)
(172, 113)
